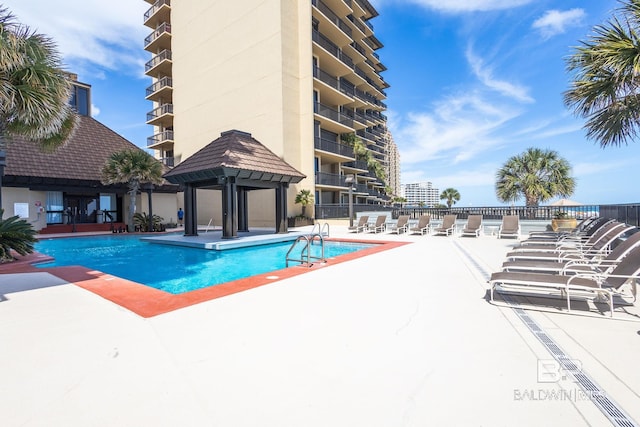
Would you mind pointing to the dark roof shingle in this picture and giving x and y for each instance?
(234, 150)
(81, 158)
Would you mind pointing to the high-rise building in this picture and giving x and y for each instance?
(302, 77)
(421, 193)
(393, 168)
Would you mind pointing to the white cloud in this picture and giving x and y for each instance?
(555, 22)
(485, 75)
(89, 33)
(456, 130)
(462, 6)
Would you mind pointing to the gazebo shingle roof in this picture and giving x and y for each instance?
(81, 158)
(238, 154)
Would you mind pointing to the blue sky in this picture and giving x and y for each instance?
(473, 82)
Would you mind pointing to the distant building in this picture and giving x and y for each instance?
(421, 192)
(393, 167)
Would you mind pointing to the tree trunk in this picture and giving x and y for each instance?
(132, 204)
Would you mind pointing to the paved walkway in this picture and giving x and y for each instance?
(403, 337)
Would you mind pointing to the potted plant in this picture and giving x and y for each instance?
(304, 198)
(562, 221)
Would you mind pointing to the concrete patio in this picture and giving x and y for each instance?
(405, 337)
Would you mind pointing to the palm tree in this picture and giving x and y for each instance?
(34, 90)
(451, 195)
(605, 86)
(537, 175)
(304, 197)
(134, 167)
(15, 235)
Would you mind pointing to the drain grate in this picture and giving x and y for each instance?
(599, 397)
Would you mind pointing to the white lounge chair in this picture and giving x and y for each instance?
(510, 227)
(361, 225)
(423, 227)
(473, 226)
(448, 226)
(402, 226)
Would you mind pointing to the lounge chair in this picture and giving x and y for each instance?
(510, 227)
(606, 233)
(591, 285)
(380, 225)
(361, 225)
(564, 253)
(423, 227)
(581, 265)
(401, 226)
(584, 230)
(473, 226)
(448, 226)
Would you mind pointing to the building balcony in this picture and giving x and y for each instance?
(330, 16)
(158, 13)
(325, 43)
(356, 165)
(340, 92)
(160, 64)
(160, 140)
(159, 39)
(330, 179)
(332, 119)
(340, 151)
(161, 116)
(161, 89)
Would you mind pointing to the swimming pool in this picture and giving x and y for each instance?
(174, 269)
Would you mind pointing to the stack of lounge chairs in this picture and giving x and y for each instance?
(600, 260)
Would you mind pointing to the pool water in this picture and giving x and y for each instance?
(174, 269)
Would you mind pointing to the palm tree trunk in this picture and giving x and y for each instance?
(3, 159)
(132, 205)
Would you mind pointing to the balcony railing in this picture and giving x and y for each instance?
(156, 6)
(326, 11)
(325, 77)
(157, 59)
(160, 111)
(165, 27)
(356, 164)
(168, 161)
(333, 179)
(357, 23)
(332, 113)
(160, 84)
(359, 48)
(158, 138)
(331, 47)
(347, 88)
(333, 147)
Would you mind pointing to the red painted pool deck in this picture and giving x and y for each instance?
(147, 301)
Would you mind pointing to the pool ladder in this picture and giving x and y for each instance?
(323, 229)
(305, 254)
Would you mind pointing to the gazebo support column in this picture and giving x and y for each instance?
(243, 205)
(229, 209)
(281, 208)
(190, 211)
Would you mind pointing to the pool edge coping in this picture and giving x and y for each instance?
(147, 301)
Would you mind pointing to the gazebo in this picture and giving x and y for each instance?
(235, 163)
